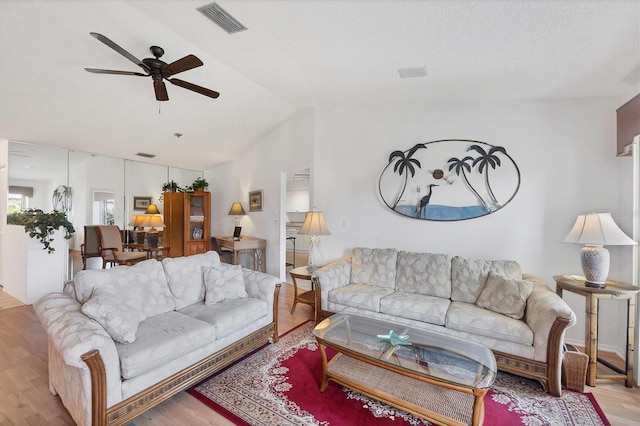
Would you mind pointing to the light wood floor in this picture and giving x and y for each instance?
(25, 397)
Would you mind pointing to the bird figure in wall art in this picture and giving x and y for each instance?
(425, 200)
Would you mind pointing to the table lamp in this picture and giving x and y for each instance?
(152, 209)
(236, 210)
(153, 221)
(314, 226)
(595, 231)
(136, 221)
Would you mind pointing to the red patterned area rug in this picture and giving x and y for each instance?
(279, 385)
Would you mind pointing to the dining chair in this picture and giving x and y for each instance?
(111, 249)
(91, 245)
(226, 256)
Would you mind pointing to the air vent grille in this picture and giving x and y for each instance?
(144, 154)
(222, 18)
(414, 72)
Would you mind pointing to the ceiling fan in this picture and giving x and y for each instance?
(157, 69)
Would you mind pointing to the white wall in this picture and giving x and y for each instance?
(4, 186)
(286, 148)
(565, 150)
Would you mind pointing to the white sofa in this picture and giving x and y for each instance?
(124, 339)
(489, 302)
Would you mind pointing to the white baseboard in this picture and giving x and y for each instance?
(603, 348)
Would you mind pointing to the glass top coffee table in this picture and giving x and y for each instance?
(434, 376)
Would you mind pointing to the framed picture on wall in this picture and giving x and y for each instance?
(255, 201)
(141, 203)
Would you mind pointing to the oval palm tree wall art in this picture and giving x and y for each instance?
(449, 179)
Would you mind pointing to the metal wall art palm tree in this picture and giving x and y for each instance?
(405, 162)
(485, 160)
(455, 187)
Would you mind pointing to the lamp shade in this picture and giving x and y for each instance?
(153, 221)
(136, 220)
(597, 229)
(152, 209)
(314, 224)
(236, 209)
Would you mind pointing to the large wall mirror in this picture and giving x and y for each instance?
(93, 189)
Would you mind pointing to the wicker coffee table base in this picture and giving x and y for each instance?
(448, 404)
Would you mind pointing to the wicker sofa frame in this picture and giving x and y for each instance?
(547, 373)
(126, 410)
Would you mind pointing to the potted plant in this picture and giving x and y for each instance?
(41, 225)
(199, 185)
(171, 187)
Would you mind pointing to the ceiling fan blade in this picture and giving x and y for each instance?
(198, 89)
(161, 90)
(184, 64)
(120, 50)
(101, 71)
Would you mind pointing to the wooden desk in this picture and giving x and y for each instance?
(613, 290)
(256, 245)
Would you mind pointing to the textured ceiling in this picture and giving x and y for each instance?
(295, 54)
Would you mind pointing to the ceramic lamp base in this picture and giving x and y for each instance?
(595, 265)
(315, 255)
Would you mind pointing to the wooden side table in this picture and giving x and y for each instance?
(307, 297)
(613, 290)
(154, 253)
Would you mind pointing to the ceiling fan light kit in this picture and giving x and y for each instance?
(157, 69)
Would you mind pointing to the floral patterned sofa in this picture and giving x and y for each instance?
(124, 339)
(486, 301)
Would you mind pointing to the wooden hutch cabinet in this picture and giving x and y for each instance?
(187, 220)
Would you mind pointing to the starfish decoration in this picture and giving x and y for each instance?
(395, 339)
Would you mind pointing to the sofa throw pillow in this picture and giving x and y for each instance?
(118, 319)
(184, 275)
(468, 276)
(374, 267)
(143, 286)
(505, 296)
(223, 282)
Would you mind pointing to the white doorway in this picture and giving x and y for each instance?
(297, 196)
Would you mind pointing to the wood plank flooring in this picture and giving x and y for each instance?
(25, 397)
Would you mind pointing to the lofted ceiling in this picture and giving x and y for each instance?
(294, 55)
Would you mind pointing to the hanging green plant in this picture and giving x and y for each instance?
(41, 225)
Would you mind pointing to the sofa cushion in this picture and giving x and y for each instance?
(375, 267)
(229, 315)
(161, 339)
(415, 306)
(223, 282)
(424, 273)
(142, 286)
(359, 296)
(468, 276)
(184, 275)
(475, 320)
(117, 318)
(505, 296)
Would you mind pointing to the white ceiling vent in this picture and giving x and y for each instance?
(222, 18)
(412, 72)
(144, 154)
